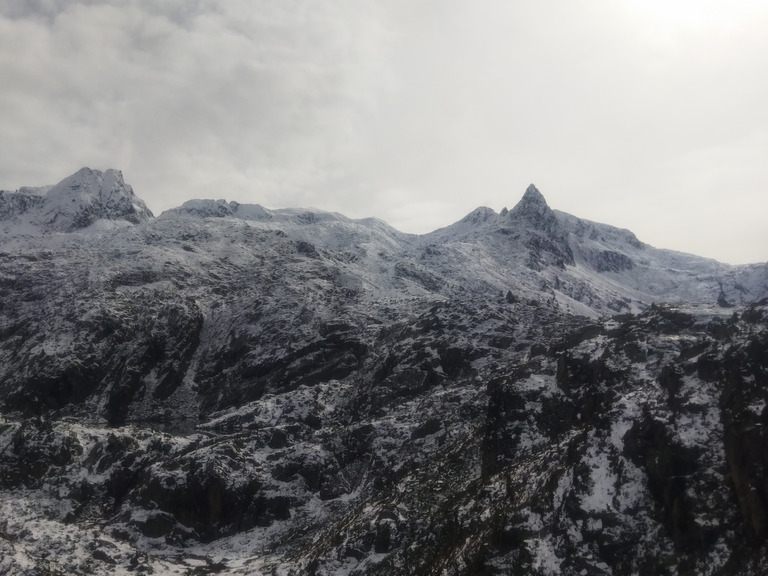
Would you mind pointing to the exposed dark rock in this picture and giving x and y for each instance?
(667, 464)
(610, 261)
(228, 389)
(431, 426)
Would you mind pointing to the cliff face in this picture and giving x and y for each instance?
(632, 425)
(233, 389)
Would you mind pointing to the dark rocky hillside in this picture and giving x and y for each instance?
(229, 389)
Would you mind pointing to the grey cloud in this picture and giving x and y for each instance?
(413, 112)
(43, 9)
(206, 87)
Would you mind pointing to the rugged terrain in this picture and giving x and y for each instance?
(231, 389)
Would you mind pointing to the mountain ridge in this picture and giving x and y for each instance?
(532, 203)
(228, 388)
(588, 267)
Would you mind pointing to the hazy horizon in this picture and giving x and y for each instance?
(644, 115)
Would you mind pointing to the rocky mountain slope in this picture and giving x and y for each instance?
(231, 389)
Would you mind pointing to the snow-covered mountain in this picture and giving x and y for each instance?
(231, 389)
(85, 198)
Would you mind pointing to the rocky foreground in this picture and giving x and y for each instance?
(230, 389)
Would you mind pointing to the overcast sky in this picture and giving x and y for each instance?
(645, 114)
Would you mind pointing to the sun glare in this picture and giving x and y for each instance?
(691, 13)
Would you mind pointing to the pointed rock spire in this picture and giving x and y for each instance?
(532, 202)
(547, 239)
(532, 194)
(533, 208)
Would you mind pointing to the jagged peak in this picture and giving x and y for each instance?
(534, 211)
(533, 193)
(546, 237)
(89, 195)
(532, 200)
(90, 181)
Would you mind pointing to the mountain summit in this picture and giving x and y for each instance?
(544, 235)
(534, 209)
(533, 197)
(76, 202)
(90, 195)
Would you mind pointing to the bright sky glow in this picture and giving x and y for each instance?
(687, 14)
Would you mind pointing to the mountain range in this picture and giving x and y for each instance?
(231, 389)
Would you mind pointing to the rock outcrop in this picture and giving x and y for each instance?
(75, 203)
(231, 389)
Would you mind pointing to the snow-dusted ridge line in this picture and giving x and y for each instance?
(117, 200)
(586, 267)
